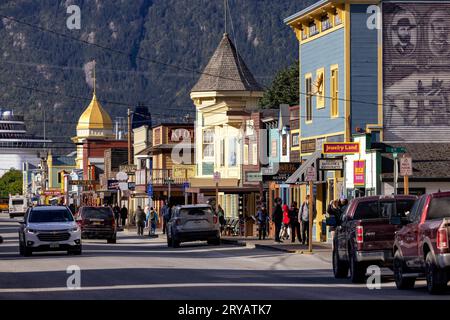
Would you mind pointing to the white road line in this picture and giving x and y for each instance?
(189, 285)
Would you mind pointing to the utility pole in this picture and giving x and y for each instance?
(311, 217)
(129, 137)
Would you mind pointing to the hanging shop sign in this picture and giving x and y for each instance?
(336, 164)
(406, 167)
(341, 148)
(113, 184)
(83, 182)
(359, 173)
(280, 172)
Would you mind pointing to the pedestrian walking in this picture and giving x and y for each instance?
(304, 219)
(295, 223)
(140, 221)
(277, 218)
(153, 222)
(147, 216)
(222, 221)
(165, 212)
(285, 229)
(124, 215)
(262, 218)
(116, 211)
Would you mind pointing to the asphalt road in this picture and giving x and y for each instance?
(141, 268)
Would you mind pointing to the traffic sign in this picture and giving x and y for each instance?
(395, 150)
(122, 176)
(406, 168)
(217, 177)
(311, 174)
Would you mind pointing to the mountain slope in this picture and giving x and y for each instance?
(175, 32)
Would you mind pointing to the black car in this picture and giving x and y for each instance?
(97, 223)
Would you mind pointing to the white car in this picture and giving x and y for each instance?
(49, 228)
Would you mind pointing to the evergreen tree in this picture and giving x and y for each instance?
(284, 88)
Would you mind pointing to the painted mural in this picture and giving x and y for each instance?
(416, 67)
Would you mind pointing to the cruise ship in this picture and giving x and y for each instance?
(16, 145)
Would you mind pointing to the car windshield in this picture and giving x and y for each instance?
(196, 211)
(97, 213)
(17, 202)
(50, 216)
(439, 208)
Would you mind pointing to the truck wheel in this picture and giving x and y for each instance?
(401, 282)
(436, 278)
(175, 243)
(27, 252)
(340, 268)
(357, 270)
(214, 242)
(112, 240)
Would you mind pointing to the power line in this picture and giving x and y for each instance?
(129, 55)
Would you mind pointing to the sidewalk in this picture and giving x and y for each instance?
(287, 246)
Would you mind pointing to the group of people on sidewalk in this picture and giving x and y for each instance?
(147, 218)
(292, 222)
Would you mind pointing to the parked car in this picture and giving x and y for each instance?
(97, 223)
(421, 247)
(48, 228)
(365, 236)
(193, 223)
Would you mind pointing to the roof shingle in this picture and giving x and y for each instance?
(226, 71)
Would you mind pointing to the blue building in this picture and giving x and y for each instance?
(339, 56)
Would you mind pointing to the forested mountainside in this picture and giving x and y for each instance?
(39, 69)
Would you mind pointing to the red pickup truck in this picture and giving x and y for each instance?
(365, 235)
(421, 248)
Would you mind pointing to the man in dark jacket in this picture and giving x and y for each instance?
(277, 219)
(116, 211)
(124, 215)
(295, 224)
(140, 221)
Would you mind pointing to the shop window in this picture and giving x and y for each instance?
(295, 140)
(337, 17)
(246, 149)
(284, 145)
(334, 81)
(326, 23)
(222, 152)
(208, 143)
(232, 152)
(255, 154)
(308, 87)
(313, 30)
(320, 88)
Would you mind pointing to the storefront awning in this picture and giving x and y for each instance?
(298, 175)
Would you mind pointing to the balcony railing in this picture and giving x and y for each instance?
(157, 177)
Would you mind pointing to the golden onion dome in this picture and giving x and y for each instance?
(95, 117)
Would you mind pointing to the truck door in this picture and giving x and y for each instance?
(409, 235)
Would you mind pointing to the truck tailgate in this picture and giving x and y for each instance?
(378, 234)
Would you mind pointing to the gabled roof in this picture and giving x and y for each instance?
(226, 71)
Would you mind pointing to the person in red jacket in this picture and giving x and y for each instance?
(285, 231)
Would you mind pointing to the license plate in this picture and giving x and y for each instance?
(54, 245)
(97, 223)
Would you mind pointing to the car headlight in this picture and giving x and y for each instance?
(32, 231)
(75, 229)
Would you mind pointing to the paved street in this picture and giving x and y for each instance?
(137, 268)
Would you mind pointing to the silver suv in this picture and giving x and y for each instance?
(193, 223)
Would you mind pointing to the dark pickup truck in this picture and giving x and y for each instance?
(365, 235)
(421, 248)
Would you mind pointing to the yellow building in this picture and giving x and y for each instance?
(225, 94)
